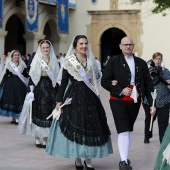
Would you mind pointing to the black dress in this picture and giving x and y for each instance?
(12, 94)
(84, 120)
(44, 103)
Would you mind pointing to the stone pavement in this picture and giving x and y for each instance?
(18, 152)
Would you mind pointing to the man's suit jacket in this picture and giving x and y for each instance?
(118, 69)
(29, 62)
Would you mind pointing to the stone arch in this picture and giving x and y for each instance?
(47, 18)
(109, 43)
(54, 37)
(14, 38)
(19, 12)
(108, 26)
(53, 28)
(100, 32)
(126, 20)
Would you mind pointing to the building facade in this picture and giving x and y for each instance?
(104, 22)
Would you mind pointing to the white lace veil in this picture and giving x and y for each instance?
(91, 66)
(21, 65)
(35, 71)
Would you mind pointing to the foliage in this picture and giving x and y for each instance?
(161, 5)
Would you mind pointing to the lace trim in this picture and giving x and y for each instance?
(42, 123)
(40, 131)
(20, 67)
(73, 72)
(97, 140)
(92, 72)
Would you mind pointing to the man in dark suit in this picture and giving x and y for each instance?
(131, 83)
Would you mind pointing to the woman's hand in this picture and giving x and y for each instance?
(114, 82)
(168, 81)
(58, 106)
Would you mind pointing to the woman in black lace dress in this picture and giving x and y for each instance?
(13, 87)
(82, 130)
(43, 77)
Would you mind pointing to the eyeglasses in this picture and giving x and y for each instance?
(126, 45)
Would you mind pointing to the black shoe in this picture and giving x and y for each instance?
(124, 166)
(88, 168)
(129, 163)
(79, 167)
(38, 145)
(16, 123)
(13, 122)
(43, 146)
(146, 140)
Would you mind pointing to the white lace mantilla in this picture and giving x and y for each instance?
(73, 72)
(36, 67)
(20, 67)
(92, 72)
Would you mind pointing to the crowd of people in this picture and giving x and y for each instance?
(56, 99)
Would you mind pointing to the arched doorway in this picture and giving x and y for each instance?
(47, 32)
(110, 41)
(14, 38)
(49, 29)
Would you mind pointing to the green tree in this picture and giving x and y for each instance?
(161, 5)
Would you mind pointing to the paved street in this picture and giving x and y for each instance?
(18, 152)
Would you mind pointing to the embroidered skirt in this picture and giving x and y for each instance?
(82, 130)
(59, 145)
(42, 107)
(12, 95)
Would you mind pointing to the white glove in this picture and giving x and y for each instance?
(30, 97)
(56, 114)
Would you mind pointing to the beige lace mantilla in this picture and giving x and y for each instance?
(92, 72)
(20, 67)
(73, 72)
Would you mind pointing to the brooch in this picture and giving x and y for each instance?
(78, 67)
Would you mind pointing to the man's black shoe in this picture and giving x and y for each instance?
(129, 163)
(124, 166)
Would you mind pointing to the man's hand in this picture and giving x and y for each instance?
(152, 111)
(127, 91)
(114, 82)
